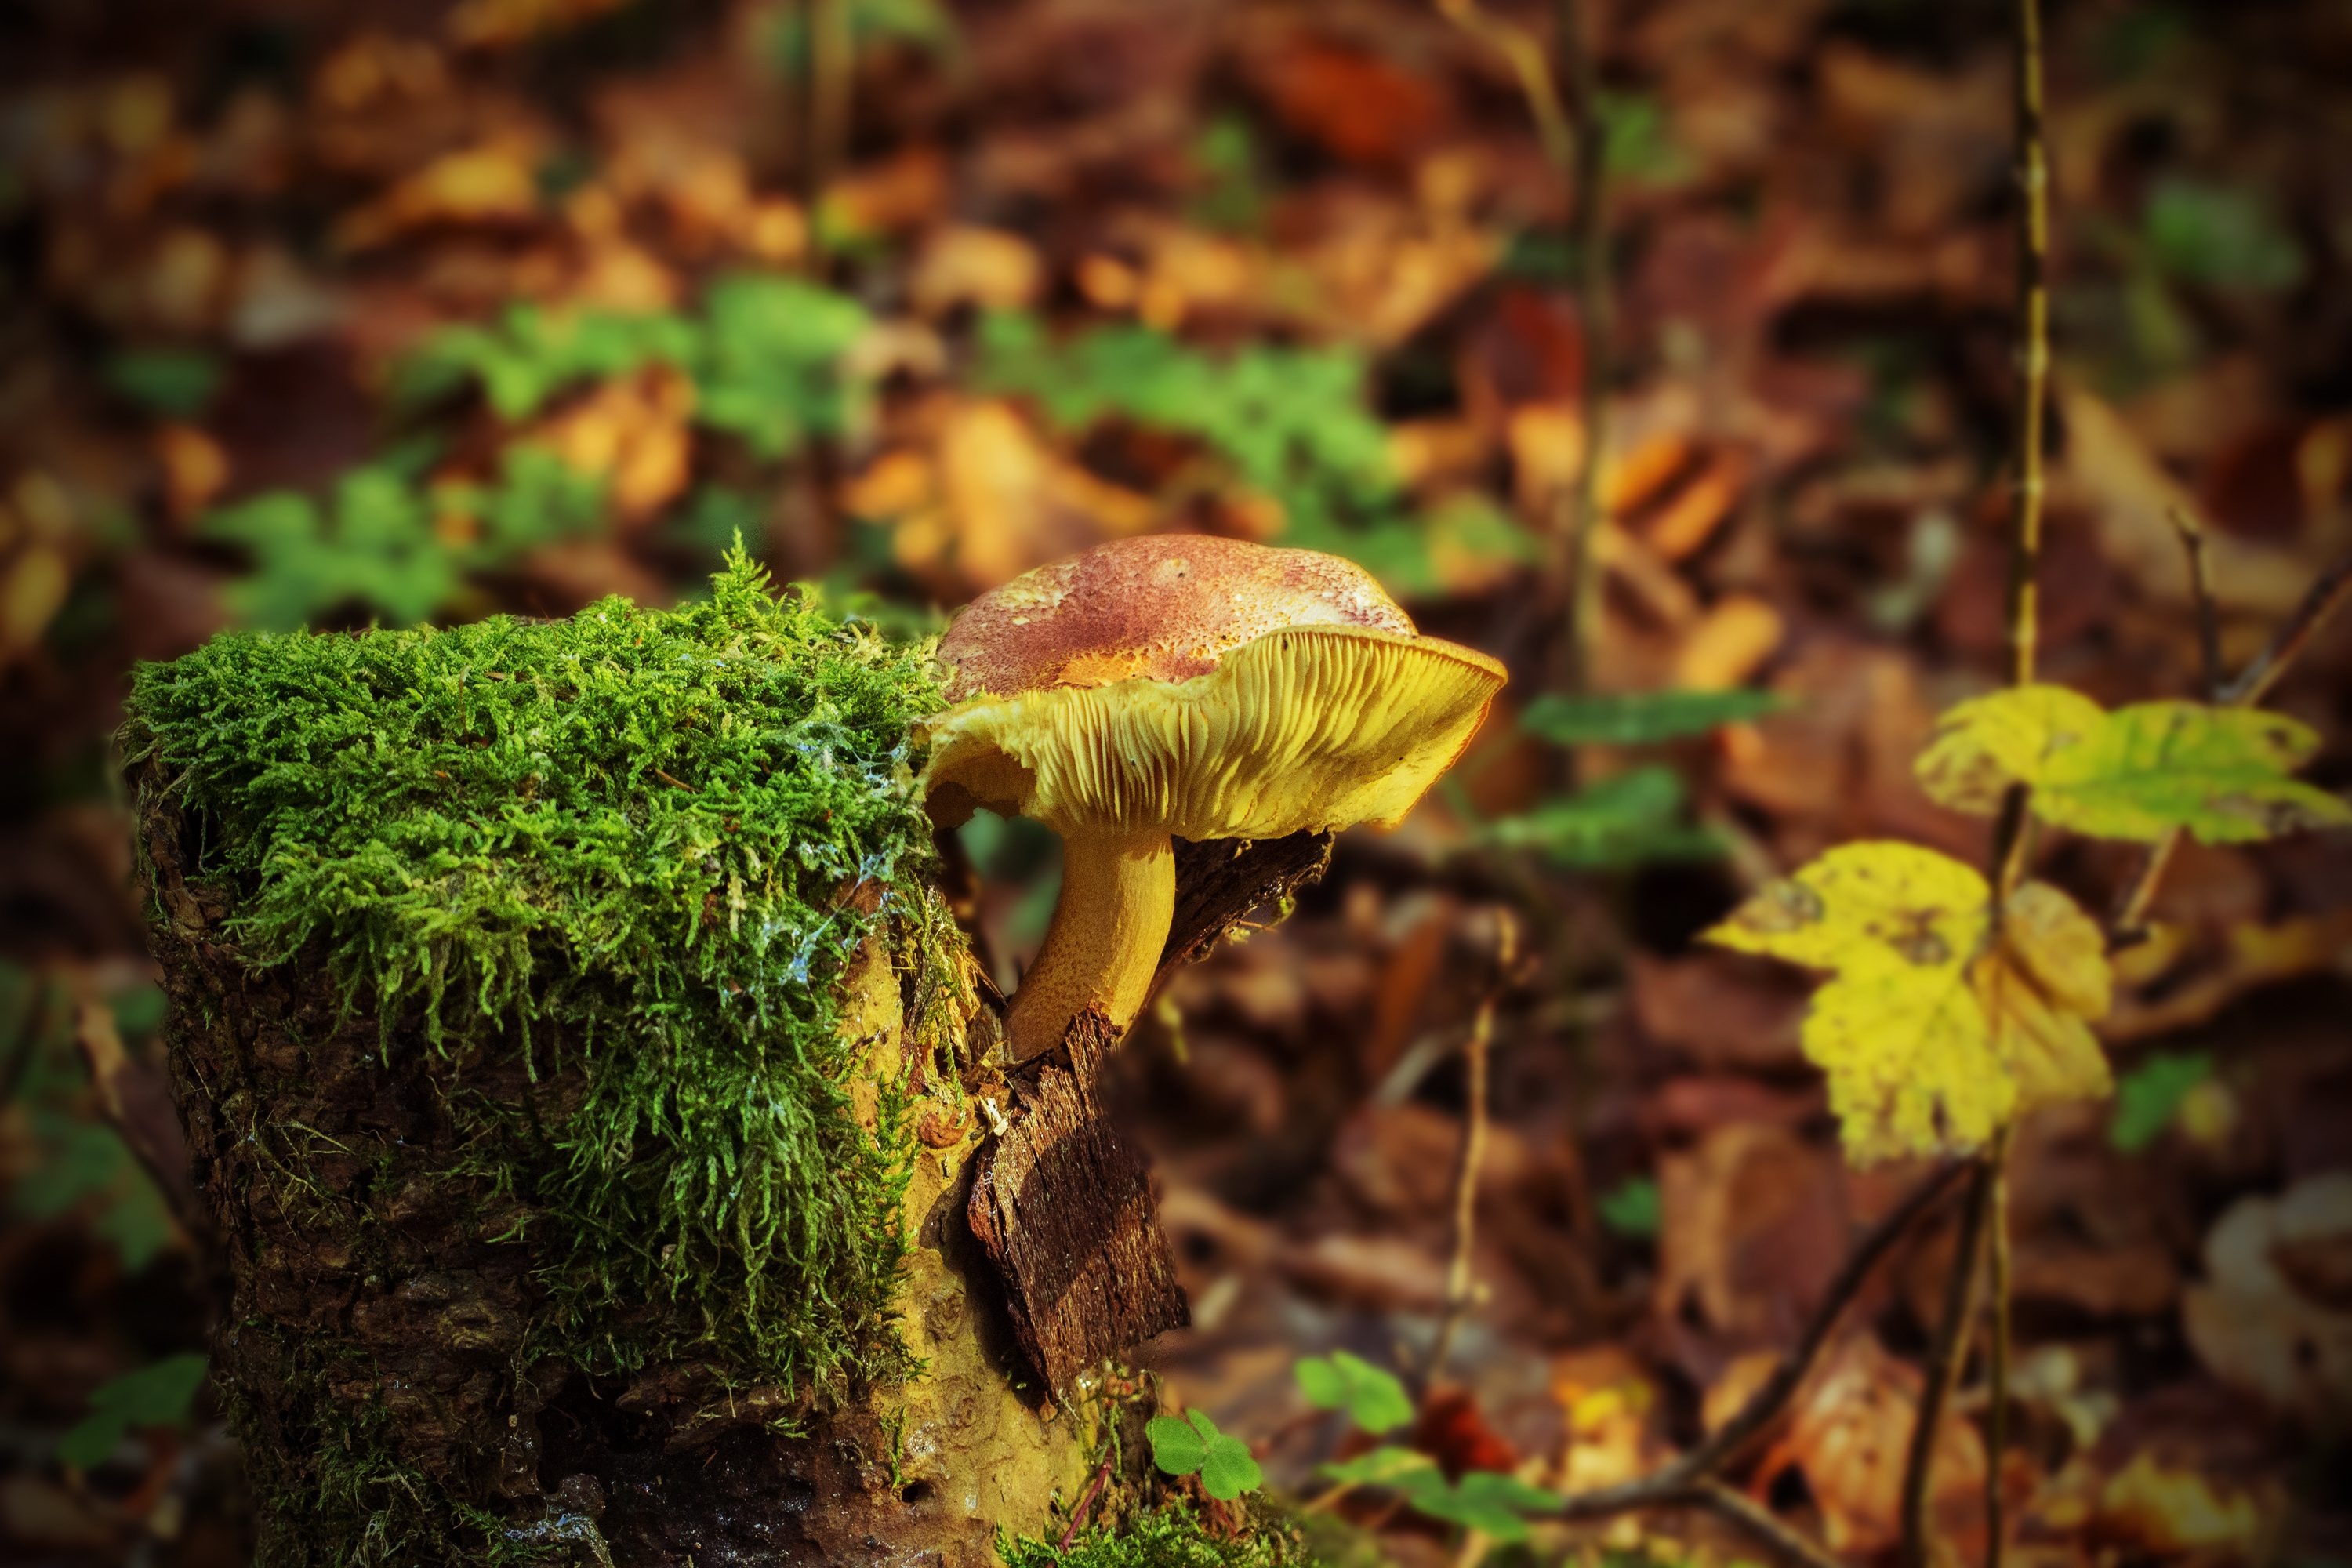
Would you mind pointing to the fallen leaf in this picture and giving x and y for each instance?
(631, 432)
(1850, 1433)
(2263, 1321)
(1729, 644)
(494, 183)
(1690, 519)
(2137, 498)
(990, 268)
(1754, 1226)
(2167, 1511)
(195, 470)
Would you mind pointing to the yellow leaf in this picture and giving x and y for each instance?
(1909, 1058)
(1931, 1034)
(1916, 905)
(2137, 773)
(1986, 744)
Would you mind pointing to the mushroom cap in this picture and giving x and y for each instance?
(1201, 687)
(1166, 605)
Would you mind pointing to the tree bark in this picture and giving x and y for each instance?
(373, 1342)
(377, 1352)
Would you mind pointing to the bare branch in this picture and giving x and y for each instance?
(1943, 1361)
(2200, 591)
(2327, 593)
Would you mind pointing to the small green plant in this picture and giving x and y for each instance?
(175, 381)
(1497, 1506)
(1376, 1402)
(80, 1164)
(161, 1395)
(1640, 719)
(2149, 1096)
(1633, 1208)
(1291, 425)
(765, 358)
(1193, 1446)
(1373, 1399)
(1635, 817)
(1170, 1536)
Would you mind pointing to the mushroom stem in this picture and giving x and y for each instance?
(1118, 895)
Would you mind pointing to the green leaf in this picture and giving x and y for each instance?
(2138, 773)
(1641, 719)
(1176, 1446)
(1385, 1466)
(2221, 235)
(1230, 1471)
(175, 382)
(1627, 820)
(1633, 1208)
(1493, 1504)
(1373, 1398)
(157, 1395)
(1180, 1448)
(2147, 1097)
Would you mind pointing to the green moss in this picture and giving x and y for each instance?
(634, 848)
(1170, 1536)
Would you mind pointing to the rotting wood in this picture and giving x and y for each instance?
(1062, 1203)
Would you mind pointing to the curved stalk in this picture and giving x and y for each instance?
(1119, 896)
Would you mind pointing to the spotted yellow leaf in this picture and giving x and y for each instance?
(1932, 1033)
(2136, 772)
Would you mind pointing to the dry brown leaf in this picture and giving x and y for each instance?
(2135, 497)
(1606, 1396)
(2258, 1323)
(496, 24)
(492, 183)
(1547, 447)
(1753, 1226)
(994, 502)
(1690, 519)
(1850, 1433)
(990, 268)
(2171, 1511)
(1735, 636)
(195, 470)
(632, 433)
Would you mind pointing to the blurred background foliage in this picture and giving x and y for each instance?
(323, 316)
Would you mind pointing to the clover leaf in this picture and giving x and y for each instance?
(1194, 1444)
(1373, 1399)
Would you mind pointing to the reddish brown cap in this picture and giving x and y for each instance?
(1168, 606)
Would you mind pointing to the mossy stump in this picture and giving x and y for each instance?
(572, 1052)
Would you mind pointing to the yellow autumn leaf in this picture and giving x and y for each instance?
(1931, 1032)
(2039, 987)
(2137, 773)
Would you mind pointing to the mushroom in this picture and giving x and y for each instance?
(1188, 685)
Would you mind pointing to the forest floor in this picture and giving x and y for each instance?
(402, 309)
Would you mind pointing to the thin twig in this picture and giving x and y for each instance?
(1580, 506)
(1997, 1358)
(1950, 1349)
(829, 63)
(2200, 593)
(1724, 1447)
(2327, 592)
(1458, 1281)
(1671, 1481)
(2033, 348)
(1526, 58)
